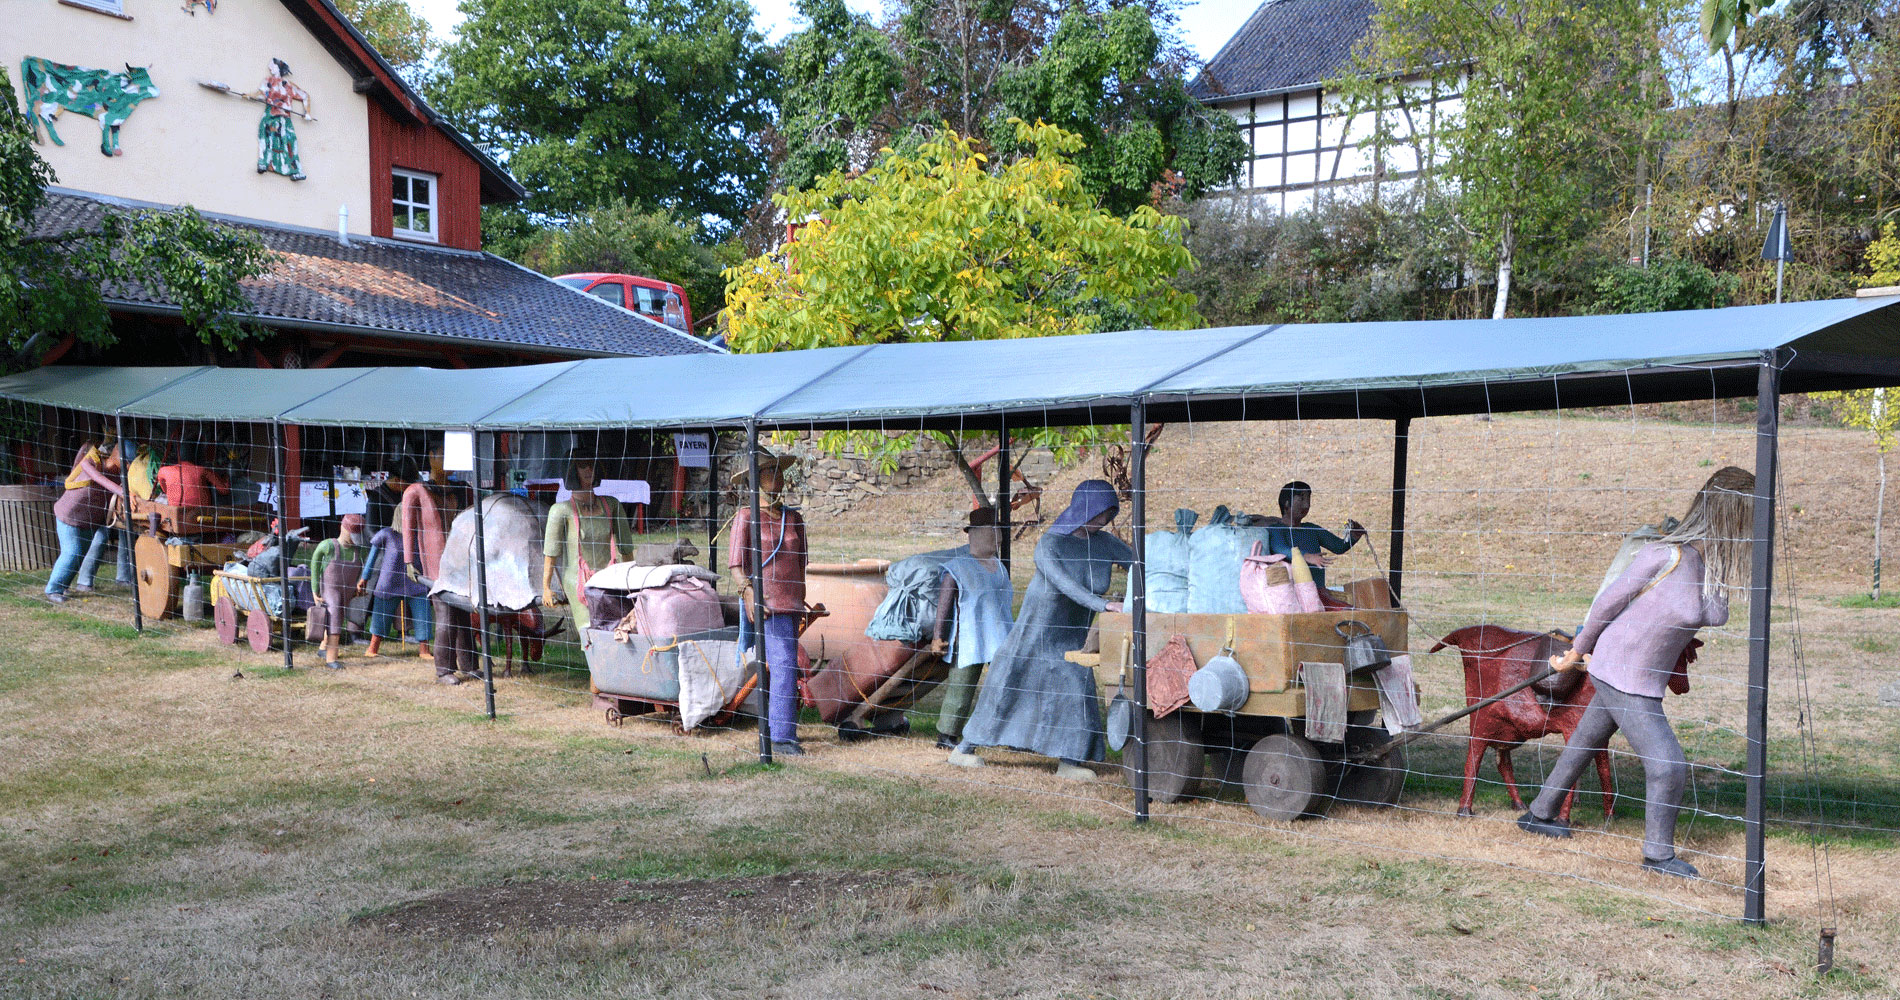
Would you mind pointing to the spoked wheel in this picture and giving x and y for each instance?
(613, 715)
(1285, 778)
(158, 580)
(1175, 756)
(224, 615)
(1374, 783)
(257, 628)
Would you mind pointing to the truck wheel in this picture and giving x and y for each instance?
(1285, 778)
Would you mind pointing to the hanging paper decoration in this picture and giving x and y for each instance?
(276, 134)
(106, 96)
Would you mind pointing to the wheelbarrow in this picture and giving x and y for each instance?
(240, 607)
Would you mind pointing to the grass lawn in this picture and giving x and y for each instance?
(169, 830)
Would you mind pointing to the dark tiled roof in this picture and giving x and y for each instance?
(398, 289)
(1286, 44)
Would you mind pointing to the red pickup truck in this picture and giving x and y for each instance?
(660, 301)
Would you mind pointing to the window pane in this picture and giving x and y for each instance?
(608, 291)
(399, 216)
(419, 190)
(419, 220)
(399, 186)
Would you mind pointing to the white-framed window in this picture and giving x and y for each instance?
(114, 7)
(412, 205)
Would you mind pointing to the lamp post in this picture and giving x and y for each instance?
(1777, 247)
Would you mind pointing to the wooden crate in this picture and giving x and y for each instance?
(1269, 647)
(28, 538)
(176, 520)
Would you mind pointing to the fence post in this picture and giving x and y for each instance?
(481, 579)
(1395, 542)
(712, 500)
(755, 559)
(1760, 605)
(283, 553)
(1138, 595)
(1003, 510)
(125, 514)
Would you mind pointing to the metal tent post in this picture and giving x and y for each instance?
(125, 512)
(1760, 604)
(755, 563)
(1138, 594)
(1003, 473)
(712, 500)
(1395, 542)
(283, 552)
(481, 582)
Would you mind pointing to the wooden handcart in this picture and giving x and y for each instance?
(167, 549)
(1262, 746)
(241, 610)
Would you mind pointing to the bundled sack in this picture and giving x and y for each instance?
(909, 608)
(678, 552)
(1266, 583)
(1168, 565)
(667, 601)
(1214, 557)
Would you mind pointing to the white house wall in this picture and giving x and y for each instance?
(196, 146)
(1305, 143)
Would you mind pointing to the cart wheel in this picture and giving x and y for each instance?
(1285, 778)
(1374, 783)
(158, 580)
(1224, 767)
(224, 615)
(613, 715)
(257, 627)
(1175, 756)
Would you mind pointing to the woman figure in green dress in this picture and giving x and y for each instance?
(583, 536)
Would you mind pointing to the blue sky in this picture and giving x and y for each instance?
(1205, 24)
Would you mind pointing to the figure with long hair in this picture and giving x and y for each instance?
(1634, 639)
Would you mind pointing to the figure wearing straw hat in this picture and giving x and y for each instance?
(783, 555)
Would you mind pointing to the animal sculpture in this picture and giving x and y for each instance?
(1496, 658)
(54, 88)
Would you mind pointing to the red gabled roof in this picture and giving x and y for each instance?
(377, 78)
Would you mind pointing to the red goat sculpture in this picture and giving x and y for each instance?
(1496, 658)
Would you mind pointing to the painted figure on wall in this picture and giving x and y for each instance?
(276, 134)
(108, 97)
(191, 6)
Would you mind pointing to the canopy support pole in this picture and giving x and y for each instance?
(1395, 543)
(125, 514)
(1002, 490)
(282, 520)
(755, 565)
(1138, 594)
(481, 582)
(1760, 604)
(712, 499)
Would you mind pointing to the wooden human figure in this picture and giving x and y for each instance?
(783, 551)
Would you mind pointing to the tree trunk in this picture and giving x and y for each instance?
(1506, 250)
(970, 475)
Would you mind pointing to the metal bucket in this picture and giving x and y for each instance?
(1219, 686)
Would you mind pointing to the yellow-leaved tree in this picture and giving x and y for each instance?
(938, 243)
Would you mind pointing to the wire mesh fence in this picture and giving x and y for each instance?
(1245, 624)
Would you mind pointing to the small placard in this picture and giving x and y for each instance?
(458, 451)
(694, 450)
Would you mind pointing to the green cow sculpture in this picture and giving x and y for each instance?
(110, 98)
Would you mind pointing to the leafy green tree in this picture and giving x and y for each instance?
(394, 29)
(936, 244)
(1559, 105)
(1102, 77)
(1668, 283)
(1109, 73)
(657, 102)
(625, 239)
(56, 281)
(848, 82)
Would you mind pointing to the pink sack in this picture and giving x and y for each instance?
(684, 605)
(1265, 584)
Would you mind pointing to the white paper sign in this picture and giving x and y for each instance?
(623, 490)
(313, 499)
(350, 499)
(694, 450)
(458, 451)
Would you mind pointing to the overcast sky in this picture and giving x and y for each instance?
(1204, 23)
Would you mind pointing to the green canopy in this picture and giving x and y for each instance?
(1293, 370)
